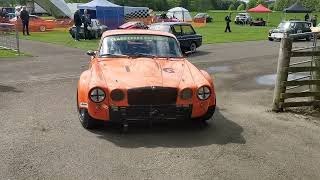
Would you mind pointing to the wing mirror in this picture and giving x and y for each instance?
(91, 53)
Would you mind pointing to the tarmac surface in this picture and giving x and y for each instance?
(41, 136)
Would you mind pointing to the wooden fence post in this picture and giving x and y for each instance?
(315, 76)
(282, 73)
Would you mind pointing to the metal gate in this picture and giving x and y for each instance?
(9, 37)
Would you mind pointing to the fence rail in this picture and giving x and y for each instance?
(283, 84)
(9, 37)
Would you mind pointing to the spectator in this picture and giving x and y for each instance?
(86, 20)
(24, 16)
(77, 23)
(306, 17)
(314, 20)
(228, 20)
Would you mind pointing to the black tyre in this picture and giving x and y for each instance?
(270, 39)
(193, 47)
(86, 120)
(308, 38)
(208, 115)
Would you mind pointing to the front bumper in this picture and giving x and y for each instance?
(149, 113)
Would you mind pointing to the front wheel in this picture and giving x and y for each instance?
(193, 47)
(86, 120)
(42, 28)
(308, 38)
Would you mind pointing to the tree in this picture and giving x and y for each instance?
(263, 2)
(240, 7)
(271, 6)
(231, 7)
(251, 4)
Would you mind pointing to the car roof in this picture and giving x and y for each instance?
(136, 31)
(171, 23)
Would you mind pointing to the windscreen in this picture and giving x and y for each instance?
(140, 45)
(284, 26)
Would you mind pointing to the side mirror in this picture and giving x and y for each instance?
(91, 53)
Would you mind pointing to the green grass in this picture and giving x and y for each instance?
(4, 53)
(63, 38)
(212, 32)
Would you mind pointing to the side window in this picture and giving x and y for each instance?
(187, 30)
(292, 25)
(299, 25)
(307, 25)
(176, 30)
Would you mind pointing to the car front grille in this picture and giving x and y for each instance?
(160, 112)
(153, 95)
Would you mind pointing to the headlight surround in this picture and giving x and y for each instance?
(204, 93)
(186, 94)
(117, 95)
(97, 95)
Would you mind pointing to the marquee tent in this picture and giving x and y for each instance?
(111, 14)
(260, 9)
(180, 13)
(106, 12)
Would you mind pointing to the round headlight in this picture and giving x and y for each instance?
(97, 95)
(204, 93)
(186, 93)
(117, 95)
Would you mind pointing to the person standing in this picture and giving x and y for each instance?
(306, 17)
(86, 20)
(77, 23)
(228, 20)
(314, 20)
(24, 16)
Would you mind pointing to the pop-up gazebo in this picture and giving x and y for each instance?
(260, 9)
(297, 8)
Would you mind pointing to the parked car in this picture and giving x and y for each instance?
(258, 22)
(291, 27)
(158, 85)
(204, 15)
(165, 18)
(11, 15)
(243, 18)
(95, 30)
(134, 25)
(188, 38)
(35, 23)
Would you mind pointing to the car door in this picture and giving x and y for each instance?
(190, 36)
(176, 30)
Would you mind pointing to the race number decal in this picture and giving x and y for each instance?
(168, 70)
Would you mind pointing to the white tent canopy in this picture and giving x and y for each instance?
(180, 13)
(58, 8)
(93, 4)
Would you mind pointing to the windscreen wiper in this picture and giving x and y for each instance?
(143, 55)
(114, 55)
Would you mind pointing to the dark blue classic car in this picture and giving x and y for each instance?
(186, 35)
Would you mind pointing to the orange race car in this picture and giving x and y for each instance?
(139, 75)
(36, 24)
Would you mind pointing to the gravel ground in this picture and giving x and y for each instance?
(41, 137)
